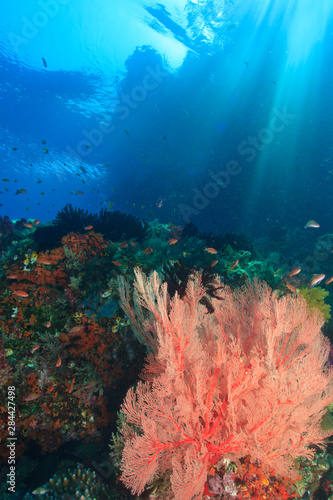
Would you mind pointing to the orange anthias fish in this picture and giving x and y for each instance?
(45, 408)
(71, 386)
(123, 245)
(291, 287)
(35, 347)
(89, 385)
(133, 244)
(312, 223)
(87, 228)
(329, 280)
(148, 250)
(295, 271)
(28, 225)
(35, 222)
(76, 329)
(33, 396)
(317, 278)
(214, 263)
(116, 263)
(210, 250)
(44, 260)
(48, 324)
(58, 363)
(234, 265)
(173, 241)
(21, 293)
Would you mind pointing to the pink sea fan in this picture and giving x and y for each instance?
(250, 378)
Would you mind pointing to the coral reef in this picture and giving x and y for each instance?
(61, 358)
(250, 378)
(6, 225)
(79, 483)
(315, 298)
(72, 354)
(177, 277)
(112, 225)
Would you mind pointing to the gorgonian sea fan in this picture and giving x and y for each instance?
(250, 378)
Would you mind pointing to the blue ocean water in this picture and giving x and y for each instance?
(223, 109)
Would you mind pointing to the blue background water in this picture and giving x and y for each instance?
(139, 101)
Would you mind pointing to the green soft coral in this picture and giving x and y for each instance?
(315, 297)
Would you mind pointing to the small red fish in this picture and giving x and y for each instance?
(210, 250)
(87, 228)
(159, 204)
(133, 244)
(291, 287)
(33, 396)
(173, 241)
(71, 386)
(48, 324)
(12, 276)
(329, 280)
(148, 250)
(58, 363)
(35, 222)
(76, 329)
(35, 347)
(21, 293)
(116, 263)
(214, 263)
(317, 278)
(295, 271)
(45, 408)
(44, 260)
(28, 225)
(312, 223)
(234, 265)
(123, 245)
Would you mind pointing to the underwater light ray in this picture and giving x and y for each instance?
(281, 140)
(304, 23)
(297, 73)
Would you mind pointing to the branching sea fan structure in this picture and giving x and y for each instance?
(249, 378)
